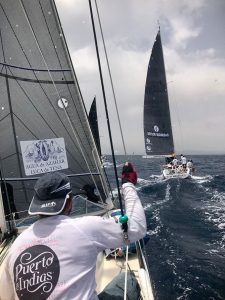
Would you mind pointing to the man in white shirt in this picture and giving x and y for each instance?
(55, 258)
(175, 162)
(183, 161)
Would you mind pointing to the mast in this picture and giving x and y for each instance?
(106, 111)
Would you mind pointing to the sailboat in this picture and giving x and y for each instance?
(44, 128)
(158, 135)
(93, 120)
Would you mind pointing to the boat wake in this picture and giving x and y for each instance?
(202, 179)
(153, 179)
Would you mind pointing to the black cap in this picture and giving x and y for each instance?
(50, 194)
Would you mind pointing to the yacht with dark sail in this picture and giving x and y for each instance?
(44, 128)
(93, 120)
(158, 135)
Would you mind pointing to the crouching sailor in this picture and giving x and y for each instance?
(55, 258)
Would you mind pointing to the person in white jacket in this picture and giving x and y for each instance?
(55, 258)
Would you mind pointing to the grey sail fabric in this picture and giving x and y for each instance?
(157, 124)
(40, 97)
(93, 120)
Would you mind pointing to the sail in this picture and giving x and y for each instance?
(41, 101)
(157, 124)
(93, 120)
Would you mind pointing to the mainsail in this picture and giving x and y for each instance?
(157, 124)
(93, 120)
(41, 101)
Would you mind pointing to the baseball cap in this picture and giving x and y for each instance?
(50, 194)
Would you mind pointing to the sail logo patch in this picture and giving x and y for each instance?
(43, 156)
(36, 273)
(156, 132)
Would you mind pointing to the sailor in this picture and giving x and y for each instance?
(168, 160)
(55, 257)
(175, 162)
(190, 166)
(183, 161)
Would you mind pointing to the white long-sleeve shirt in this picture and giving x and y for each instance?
(55, 257)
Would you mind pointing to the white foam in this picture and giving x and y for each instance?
(202, 179)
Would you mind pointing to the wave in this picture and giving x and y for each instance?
(153, 179)
(202, 179)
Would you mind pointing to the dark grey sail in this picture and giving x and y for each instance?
(157, 124)
(41, 100)
(93, 120)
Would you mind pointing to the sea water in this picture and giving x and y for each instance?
(186, 224)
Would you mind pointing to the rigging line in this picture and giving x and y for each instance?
(83, 107)
(106, 110)
(35, 76)
(81, 103)
(100, 176)
(111, 81)
(46, 23)
(145, 264)
(71, 125)
(91, 202)
(36, 178)
(125, 280)
(4, 117)
(2, 68)
(70, 63)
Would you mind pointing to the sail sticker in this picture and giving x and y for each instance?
(36, 272)
(62, 103)
(158, 134)
(148, 141)
(42, 156)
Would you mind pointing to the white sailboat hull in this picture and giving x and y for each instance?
(176, 173)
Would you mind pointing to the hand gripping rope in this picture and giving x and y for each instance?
(123, 219)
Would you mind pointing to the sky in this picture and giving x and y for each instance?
(193, 39)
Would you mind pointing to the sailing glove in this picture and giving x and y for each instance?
(129, 174)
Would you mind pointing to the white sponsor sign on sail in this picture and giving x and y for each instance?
(42, 156)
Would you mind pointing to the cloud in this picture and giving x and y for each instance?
(195, 66)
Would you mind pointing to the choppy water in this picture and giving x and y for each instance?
(186, 223)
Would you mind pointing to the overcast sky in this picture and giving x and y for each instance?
(193, 41)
